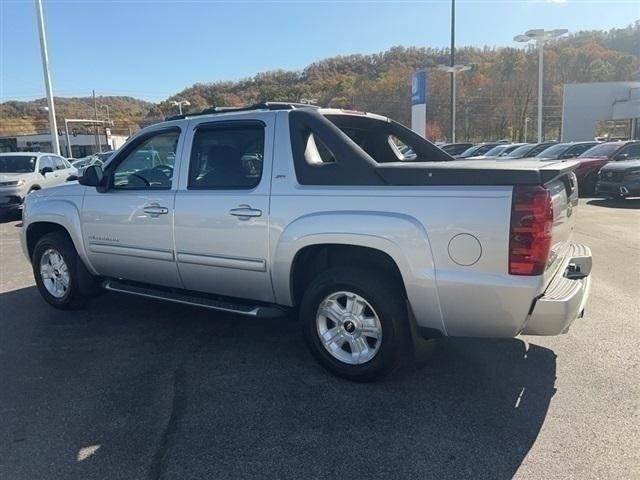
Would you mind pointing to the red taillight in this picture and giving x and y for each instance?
(530, 232)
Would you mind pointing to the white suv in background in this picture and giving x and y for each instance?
(24, 172)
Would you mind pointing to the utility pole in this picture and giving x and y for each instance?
(453, 72)
(466, 122)
(95, 114)
(53, 126)
(540, 37)
(107, 108)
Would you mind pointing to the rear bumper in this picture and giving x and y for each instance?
(565, 297)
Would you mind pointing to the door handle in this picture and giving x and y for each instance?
(245, 212)
(154, 210)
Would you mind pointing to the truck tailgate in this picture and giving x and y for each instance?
(564, 197)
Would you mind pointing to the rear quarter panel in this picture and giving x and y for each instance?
(415, 226)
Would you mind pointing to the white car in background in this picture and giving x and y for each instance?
(23, 172)
(96, 159)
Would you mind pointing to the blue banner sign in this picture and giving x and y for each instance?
(419, 88)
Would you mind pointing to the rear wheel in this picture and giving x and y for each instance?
(588, 188)
(60, 276)
(355, 323)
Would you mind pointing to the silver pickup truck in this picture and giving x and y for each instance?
(373, 236)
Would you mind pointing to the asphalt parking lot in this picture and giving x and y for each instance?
(132, 388)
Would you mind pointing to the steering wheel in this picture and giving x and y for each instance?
(166, 169)
(146, 182)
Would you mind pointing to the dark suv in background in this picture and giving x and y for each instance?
(597, 157)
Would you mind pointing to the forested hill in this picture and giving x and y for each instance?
(493, 99)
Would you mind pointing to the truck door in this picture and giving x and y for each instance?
(47, 179)
(222, 208)
(128, 229)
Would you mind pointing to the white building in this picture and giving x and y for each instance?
(585, 104)
(81, 144)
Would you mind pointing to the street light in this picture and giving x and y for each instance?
(540, 37)
(53, 126)
(180, 103)
(453, 70)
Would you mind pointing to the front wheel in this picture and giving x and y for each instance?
(60, 275)
(355, 323)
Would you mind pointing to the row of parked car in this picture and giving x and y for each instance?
(599, 172)
(610, 169)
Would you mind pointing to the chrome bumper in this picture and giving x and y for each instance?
(565, 297)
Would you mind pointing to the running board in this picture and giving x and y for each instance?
(194, 299)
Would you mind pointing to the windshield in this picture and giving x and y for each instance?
(104, 156)
(554, 152)
(17, 164)
(520, 152)
(470, 151)
(603, 150)
(495, 151)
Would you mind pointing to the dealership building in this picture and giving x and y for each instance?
(82, 145)
(586, 104)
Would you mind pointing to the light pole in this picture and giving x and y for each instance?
(53, 126)
(540, 36)
(526, 128)
(453, 70)
(180, 103)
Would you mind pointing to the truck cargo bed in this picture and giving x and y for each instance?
(471, 172)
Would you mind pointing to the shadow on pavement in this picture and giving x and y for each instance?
(10, 216)
(632, 203)
(157, 390)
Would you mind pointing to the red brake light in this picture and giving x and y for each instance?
(530, 232)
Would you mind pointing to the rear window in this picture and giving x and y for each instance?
(17, 163)
(387, 141)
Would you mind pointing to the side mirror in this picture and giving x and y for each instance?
(92, 176)
(72, 178)
(622, 156)
(45, 170)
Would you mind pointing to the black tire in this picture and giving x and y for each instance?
(388, 302)
(588, 188)
(81, 285)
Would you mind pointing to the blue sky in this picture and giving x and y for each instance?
(152, 49)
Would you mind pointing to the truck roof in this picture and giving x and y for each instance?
(271, 106)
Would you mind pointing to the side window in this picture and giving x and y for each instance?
(227, 156)
(59, 163)
(578, 149)
(627, 153)
(149, 165)
(316, 153)
(45, 162)
(403, 151)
